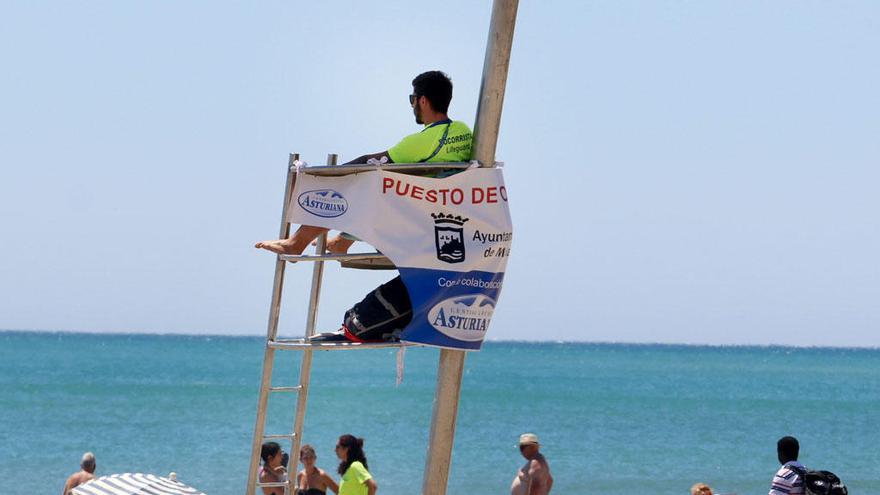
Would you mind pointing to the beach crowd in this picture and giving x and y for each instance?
(532, 478)
(369, 320)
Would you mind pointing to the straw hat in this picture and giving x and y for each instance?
(528, 439)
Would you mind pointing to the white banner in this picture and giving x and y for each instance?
(450, 239)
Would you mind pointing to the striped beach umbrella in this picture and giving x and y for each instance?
(134, 484)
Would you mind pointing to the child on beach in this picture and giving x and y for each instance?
(356, 480)
(312, 480)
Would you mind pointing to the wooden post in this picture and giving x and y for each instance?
(488, 122)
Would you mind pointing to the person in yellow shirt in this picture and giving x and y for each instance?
(442, 140)
(356, 480)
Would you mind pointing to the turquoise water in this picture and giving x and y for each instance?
(614, 419)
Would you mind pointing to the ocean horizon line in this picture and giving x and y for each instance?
(490, 341)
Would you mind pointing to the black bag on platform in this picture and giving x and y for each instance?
(381, 315)
(820, 482)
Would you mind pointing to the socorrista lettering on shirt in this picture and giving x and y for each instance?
(418, 147)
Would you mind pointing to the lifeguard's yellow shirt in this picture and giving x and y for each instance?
(442, 141)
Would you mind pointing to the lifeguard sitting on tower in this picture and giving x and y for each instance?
(448, 234)
(442, 140)
(387, 310)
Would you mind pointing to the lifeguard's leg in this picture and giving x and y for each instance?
(339, 244)
(294, 244)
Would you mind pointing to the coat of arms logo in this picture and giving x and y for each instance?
(449, 237)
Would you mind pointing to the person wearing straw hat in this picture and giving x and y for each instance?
(86, 473)
(701, 489)
(534, 477)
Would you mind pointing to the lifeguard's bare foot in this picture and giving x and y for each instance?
(281, 246)
(294, 244)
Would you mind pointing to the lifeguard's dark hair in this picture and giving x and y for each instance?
(787, 449)
(355, 452)
(269, 450)
(436, 87)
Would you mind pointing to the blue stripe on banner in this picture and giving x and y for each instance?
(450, 309)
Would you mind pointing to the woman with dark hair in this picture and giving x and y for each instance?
(312, 480)
(272, 470)
(356, 480)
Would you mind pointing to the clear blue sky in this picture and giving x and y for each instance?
(696, 172)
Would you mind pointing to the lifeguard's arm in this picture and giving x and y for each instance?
(371, 486)
(364, 158)
(537, 478)
(328, 480)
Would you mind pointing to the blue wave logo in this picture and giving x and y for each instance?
(325, 203)
(464, 317)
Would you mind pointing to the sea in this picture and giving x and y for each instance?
(613, 419)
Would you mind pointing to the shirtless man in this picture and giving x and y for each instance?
(534, 477)
(86, 473)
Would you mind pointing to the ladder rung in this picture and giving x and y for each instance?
(280, 437)
(302, 344)
(335, 170)
(286, 389)
(332, 257)
(272, 484)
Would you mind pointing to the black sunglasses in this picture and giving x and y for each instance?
(413, 98)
